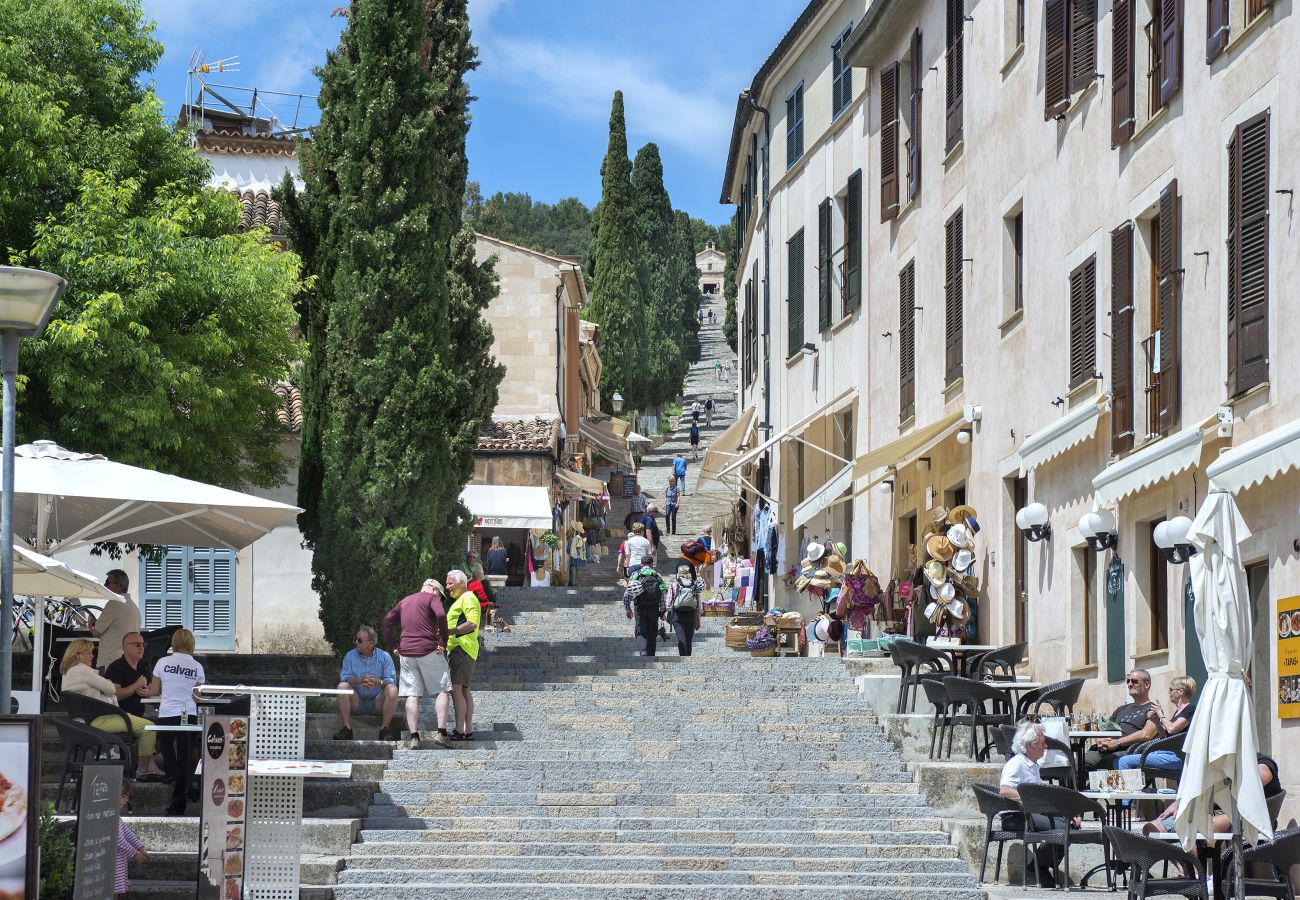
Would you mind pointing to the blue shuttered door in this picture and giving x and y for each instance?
(193, 587)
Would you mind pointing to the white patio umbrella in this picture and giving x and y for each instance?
(634, 438)
(1220, 748)
(66, 500)
(38, 575)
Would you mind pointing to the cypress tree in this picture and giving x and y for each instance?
(688, 286)
(656, 228)
(618, 297)
(399, 379)
(729, 242)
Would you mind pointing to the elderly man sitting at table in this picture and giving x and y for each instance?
(1029, 745)
(1138, 722)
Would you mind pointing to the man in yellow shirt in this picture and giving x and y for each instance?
(462, 650)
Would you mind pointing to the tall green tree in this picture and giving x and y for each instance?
(165, 348)
(401, 368)
(618, 294)
(686, 276)
(666, 353)
(730, 319)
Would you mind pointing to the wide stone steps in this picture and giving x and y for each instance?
(785, 828)
(684, 844)
(526, 890)
(824, 876)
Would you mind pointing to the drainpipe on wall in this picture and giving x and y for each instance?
(767, 309)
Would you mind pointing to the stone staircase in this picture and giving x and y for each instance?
(599, 774)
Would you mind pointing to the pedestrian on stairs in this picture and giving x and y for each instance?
(422, 653)
(647, 594)
(463, 620)
(708, 413)
(679, 470)
(671, 500)
(637, 547)
(695, 441)
(577, 552)
(696, 409)
(684, 605)
(650, 521)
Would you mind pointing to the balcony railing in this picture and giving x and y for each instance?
(1151, 391)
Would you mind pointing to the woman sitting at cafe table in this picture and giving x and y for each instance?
(1136, 720)
(1182, 694)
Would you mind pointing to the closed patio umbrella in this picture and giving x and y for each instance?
(37, 575)
(1221, 746)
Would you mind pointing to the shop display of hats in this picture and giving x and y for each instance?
(939, 547)
(835, 564)
(935, 572)
(963, 559)
(950, 543)
(963, 515)
(960, 537)
(815, 551)
(841, 550)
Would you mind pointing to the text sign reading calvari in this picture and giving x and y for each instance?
(97, 817)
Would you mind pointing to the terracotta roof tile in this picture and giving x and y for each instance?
(519, 435)
(289, 413)
(260, 210)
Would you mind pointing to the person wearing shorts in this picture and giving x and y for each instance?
(423, 671)
(368, 673)
(462, 651)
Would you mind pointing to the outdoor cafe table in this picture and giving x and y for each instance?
(1078, 742)
(1118, 815)
(960, 654)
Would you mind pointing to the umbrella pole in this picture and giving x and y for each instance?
(1239, 867)
(9, 364)
(38, 635)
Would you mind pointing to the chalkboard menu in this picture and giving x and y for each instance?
(1115, 668)
(97, 817)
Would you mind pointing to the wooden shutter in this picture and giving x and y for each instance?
(907, 342)
(1056, 58)
(1083, 322)
(1121, 339)
(163, 597)
(953, 298)
(794, 293)
(1171, 48)
(1216, 28)
(955, 71)
(914, 120)
(1122, 111)
(889, 142)
(853, 243)
(1248, 255)
(824, 264)
(1169, 254)
(1083, 43)
(212, 597)
(1256, 7)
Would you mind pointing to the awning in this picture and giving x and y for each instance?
(1256, 461)
(797, 428)
(727, 446)
(592, 487)
(1150, 465)
(1068, 431)
(605, 440)
(508, 505)
(824, 496)
(917, 441)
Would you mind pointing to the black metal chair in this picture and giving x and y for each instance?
(918, 663)
(1274, 804)
(999, 663)
(993, 805)
(1003, 735)
(1277, 856)
(937, 694)
(1061, 805)
(88, 709)
(82, 745)
(1059, 695)
(1173, 743)
(978, 705)
(1141, 853)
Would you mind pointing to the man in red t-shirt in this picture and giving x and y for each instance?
(422, 652)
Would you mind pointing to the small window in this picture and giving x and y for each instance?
(841, 76)
(1158, 594)
(1085, 612)
(1020, 22)
(794, 127)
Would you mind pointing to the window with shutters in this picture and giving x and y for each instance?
(955, 71)
(1013, 29)
(1121, 340)
(1248, 254)
(824, 270)
(1123, 19)
(1019, 490)
(193, 587)
(1164, 39)
(1013, 264)
(889, 142)
(953, 300)
(794, 293)
(841, 76)
(1069, 51)
(852, 262)
(1083, 322)
(907, 342)
(912, 135)
(794, 126)
(1157, 592)
(751, 326)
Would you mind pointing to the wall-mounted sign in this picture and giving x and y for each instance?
(98, 812)
(1286, 628)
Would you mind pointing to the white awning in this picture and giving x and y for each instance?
(1068, 431)
(824, 496)
(914, 442)
(797, 428)
(508, 505)
(1152, 464)
(727, 446)
(1256, 461)
(605, 440)
(592, 487)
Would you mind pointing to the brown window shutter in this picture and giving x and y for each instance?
(953, 310)
(955, 71)
(853, 243)
(1121, 77)
(914, 120)
(1171, 48)
(794, 294)
(1083, 322)
(1216, 28)
(1056, 57)
(1121, 340)
(907, 342)
(824, 265)
(1248, 255)
(1169, 257)
(1083, 43)
(889, 142)
(1255, 7)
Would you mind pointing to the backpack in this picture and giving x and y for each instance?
(651, 593)
(686, 598)
(692, 549)
(708, 404)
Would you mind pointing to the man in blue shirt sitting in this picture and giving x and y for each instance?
(369, 673)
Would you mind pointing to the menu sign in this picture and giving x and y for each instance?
(222, 828)
(1286, 628)
(97, 817)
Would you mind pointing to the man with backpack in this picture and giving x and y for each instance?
(708, 413)
(679, 469)
(647, 595)
(684, 595)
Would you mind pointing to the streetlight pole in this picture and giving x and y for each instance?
(27, 299)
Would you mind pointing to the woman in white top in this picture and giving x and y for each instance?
(80, 678)
(174, 679)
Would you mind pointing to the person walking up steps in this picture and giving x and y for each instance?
(695, 441)
(679, 472)
(670, 505)
(717, 370)
(684, 605)
(647, 595)
(708, 413)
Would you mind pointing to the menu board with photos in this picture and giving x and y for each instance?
(1286, 629)
(223, 829)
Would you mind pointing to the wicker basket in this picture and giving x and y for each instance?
(718, 610)
(770, 651)
(748, 619)
(737, 635)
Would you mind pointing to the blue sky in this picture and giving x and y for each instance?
(548, 72)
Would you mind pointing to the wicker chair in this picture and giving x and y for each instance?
(1278, 856)
(1062, 804)
(937, 694)
(88, 709)
(82, 746)
(1059, 695)
(992, 804)
(1173, 742)
(1141, 854)
(1001, 662)
(968, 699)
(918, 662)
